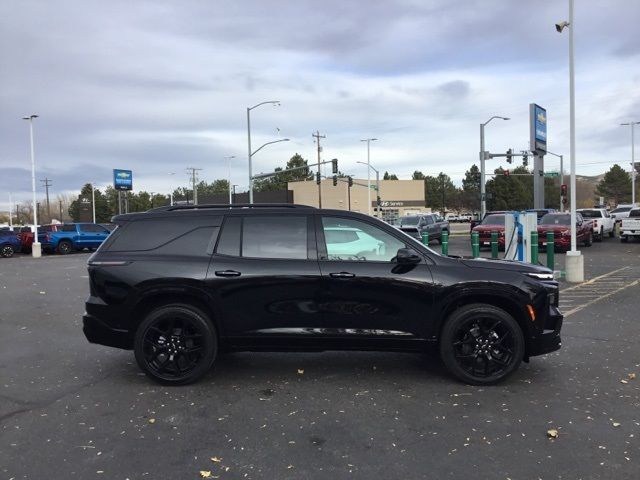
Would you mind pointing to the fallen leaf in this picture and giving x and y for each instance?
(216, 459)
(615, 424)
(623, 381)
(553, 433)
(152, 420)
(205, 473)
(300, 371)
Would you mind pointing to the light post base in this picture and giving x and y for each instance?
(574, 267)
(36, 250)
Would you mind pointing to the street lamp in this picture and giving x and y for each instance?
(36, 249)
(171, 193)
(275, 103)
(575, 261)
(561, 176)
(370, 167)
(483, 200)
(633, 162)
(93, 200)
(368, 140)
(229, 177)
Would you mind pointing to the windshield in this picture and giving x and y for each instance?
(493, 220)
(591, 213)
(409, 221)
(621, 209)
(556, 220)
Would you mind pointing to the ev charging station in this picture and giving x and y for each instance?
(517, 235)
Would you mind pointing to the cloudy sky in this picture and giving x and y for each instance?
(159, 86)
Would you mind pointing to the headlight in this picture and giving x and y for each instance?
(540, 276)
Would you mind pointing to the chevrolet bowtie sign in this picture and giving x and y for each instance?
(122, 179)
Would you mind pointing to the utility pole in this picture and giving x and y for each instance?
(193, 171)
(10, 211)
(317, 136)
(61, 219)
(47, 183)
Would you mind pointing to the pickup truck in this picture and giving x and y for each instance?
(630, 226)
(73, 236)
(415, 225)
(602, 222)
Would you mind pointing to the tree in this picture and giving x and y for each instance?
(615, 186)
(389, 176)
(81, 208)
(470, 194)
(510, 192)
(417, 175)
(280, 181)
(441, 192)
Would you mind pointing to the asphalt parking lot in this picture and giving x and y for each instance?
(69, 409)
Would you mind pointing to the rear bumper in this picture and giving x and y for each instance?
(99, 332)
(549, 340)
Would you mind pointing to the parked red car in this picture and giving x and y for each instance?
(559, 224)
(26, 235)
(492, 222)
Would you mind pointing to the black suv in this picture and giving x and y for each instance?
(178, 284)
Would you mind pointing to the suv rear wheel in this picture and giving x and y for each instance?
(481, 344)
(7, 251)
(176, 344)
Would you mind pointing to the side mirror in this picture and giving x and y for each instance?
(407, 256)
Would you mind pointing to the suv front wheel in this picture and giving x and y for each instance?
(481, 344)
(176, 344)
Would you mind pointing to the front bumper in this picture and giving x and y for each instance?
(549, 340)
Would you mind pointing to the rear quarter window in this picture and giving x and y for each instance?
(634, 213)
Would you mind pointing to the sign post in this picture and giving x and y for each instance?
(538, 142)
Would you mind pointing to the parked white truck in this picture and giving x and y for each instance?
(630, 227)
(603, 223)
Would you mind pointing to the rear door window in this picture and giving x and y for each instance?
(275, 237)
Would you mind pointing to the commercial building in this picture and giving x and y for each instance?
(397, 197)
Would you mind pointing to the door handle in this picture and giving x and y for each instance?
(227, 273)
(342, 275)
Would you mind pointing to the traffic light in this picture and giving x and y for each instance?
(563, 190)
(378, 201)
(335, 180)
(350, 181)
(525, 160)
(334, 166)
(509, 153)
(318, 179)
(506, 173)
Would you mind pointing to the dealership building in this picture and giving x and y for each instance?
(397, 197)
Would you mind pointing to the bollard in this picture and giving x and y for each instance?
(494, 245)
(534, 247)
(550, 251)
(445, 243)
(425, 238)
(475, 244)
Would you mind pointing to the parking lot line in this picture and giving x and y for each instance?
(585, 305)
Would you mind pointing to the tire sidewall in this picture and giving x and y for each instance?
(7, 251)
(447, 335)
(64, 250)
(203, 324)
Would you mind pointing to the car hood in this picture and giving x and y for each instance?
(553, 228)
(510, 265)
(488, 228)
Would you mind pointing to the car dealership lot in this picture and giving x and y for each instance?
(69, 409)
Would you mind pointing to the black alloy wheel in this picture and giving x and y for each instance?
(175, 344)
(65, 247)
(481, 344)
(7, 251)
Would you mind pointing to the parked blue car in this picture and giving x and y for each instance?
(9, 243)
(73, 236)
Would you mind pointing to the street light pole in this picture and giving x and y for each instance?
(575, 261)
(93, 200)
(250, 153)
(561, 175)
(633, 162)
(229, 176)
(36, 250)
(368, 140)
(370, 167)
(483, 194)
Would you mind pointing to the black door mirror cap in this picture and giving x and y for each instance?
(408, 256)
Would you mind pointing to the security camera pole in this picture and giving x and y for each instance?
(575, 261)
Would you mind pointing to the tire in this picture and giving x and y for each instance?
(7, 251)
(176, 344)
(612, 233)
(589, 241)
(600, 236)
(65, 247)
(466, 344)
(624, 238)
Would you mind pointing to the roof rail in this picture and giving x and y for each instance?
(171, 208)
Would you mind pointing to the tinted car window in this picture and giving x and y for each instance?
(229, 243)
(591, 213)
(556, 220)
(372, 244)
(144, 235)
(196, 242)
(274, 237)
(70, 227)
(634, 213)
(409, 221)
(621, 210)
(493, 220)
(93, 228)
